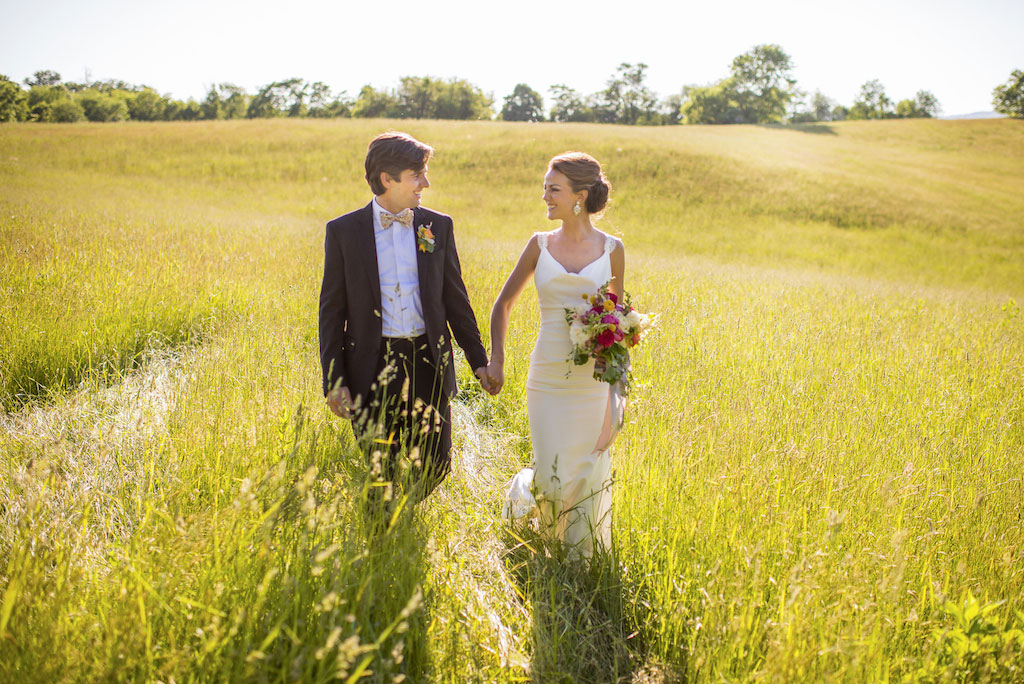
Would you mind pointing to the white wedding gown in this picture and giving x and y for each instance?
(573, 417)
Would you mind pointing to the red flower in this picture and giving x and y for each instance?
(611, 296)
(606, 339)
(635, 340)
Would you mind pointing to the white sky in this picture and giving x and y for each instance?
(959, 50)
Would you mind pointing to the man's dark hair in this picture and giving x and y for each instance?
(393, 153)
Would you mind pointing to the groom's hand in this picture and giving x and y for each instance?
(340, 401)
(485, 380)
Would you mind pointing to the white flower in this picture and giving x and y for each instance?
(634, 319)
(578, 334)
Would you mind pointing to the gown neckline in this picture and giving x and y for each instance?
(567, 271)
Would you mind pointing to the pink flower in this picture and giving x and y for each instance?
(606, 339)
(610, 319)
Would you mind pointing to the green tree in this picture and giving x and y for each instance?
(423, 97)
(280, 98)
(212, 107)
(324, 105)
(568, 105)
(906, 109)
(819, 109)
(923, 106)
(524, 104)
(763, 83)
(373, 103)
(822, 106)
(720, 103)
(268, 102)
(460, 99)
(43, 78)
(417, 97)
(627, 99)
(224, 101)
(146, 105)
(871, 102)
(671, 109)
(66, 111)
(103, 106)
(177, 110)
(234, 101)
(1008, 98)
(298, 93)
(190, 110)
(42, 99)
(13, 101)
(927, 104)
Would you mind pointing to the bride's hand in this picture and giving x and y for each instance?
(496, 375)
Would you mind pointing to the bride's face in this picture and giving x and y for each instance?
(558, 195)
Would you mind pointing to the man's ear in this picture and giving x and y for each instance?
(386, 179)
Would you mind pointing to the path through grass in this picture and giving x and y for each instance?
(819, 480)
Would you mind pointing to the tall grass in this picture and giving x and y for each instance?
(819, 479)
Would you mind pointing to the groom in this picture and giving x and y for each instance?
(391, 299)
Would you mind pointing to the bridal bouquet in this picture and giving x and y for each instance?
(606, 329)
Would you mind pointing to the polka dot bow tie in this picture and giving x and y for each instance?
(404, 217)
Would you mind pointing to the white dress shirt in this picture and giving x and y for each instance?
(402, 308)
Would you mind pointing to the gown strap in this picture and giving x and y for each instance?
(542, 240)
(609, 244)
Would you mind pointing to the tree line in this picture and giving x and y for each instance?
(50, 99)
(758, 89)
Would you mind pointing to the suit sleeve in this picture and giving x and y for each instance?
(333, 313)
(459, 311)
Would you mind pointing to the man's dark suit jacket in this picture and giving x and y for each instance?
(350, 305)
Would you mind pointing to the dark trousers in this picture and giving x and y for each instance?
(406, 424)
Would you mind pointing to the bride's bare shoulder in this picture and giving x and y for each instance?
(533, 245)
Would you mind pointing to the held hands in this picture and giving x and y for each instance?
(496, 375)
(340, 401)
(485, 380)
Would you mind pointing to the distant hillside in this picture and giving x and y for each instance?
(976, 115)
(940, 202)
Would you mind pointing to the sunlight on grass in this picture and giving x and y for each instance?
(819, 479)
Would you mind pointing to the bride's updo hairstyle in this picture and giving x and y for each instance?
(584, 173)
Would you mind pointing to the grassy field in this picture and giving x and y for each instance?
(820, 479)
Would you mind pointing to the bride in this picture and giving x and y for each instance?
(573, 417)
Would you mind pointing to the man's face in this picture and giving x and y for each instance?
(403, 192)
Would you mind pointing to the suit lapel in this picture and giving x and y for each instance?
(366, 248)
(422, 265)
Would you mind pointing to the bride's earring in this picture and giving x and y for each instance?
(577, 210)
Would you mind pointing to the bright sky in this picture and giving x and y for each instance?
(959, 50)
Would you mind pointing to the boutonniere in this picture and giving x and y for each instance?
(425, 238)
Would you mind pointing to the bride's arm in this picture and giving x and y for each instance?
(618, 259)
(616, 287)
(502, 309)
